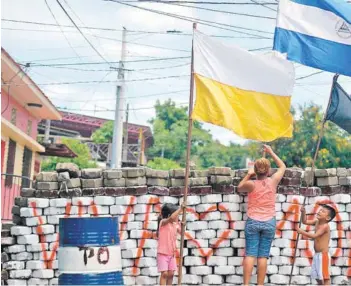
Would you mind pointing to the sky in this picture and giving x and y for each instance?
(147, 79)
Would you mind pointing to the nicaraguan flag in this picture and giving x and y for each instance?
(315, 33)
(339, 108)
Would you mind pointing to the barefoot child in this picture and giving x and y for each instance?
(167, 235)
(321, 259)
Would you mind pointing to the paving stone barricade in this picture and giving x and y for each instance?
(214, 238)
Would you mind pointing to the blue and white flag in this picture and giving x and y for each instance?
(315, 33)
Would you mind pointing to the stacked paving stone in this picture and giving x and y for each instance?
(214, 241)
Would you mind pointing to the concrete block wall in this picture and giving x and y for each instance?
(214, 240)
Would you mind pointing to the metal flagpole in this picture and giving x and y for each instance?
(311, 181)
(187, 170)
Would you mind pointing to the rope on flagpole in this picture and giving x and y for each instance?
(311, 180)
(187, 170)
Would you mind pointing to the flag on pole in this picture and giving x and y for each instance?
(339, 110)
(243, 92)
(315, 33)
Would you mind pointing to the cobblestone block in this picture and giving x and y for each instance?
(38, 203)
(206, 208)
(157, 182)
(341, 172)
(279, 279)
(20, 230)
(158, 190)
(293, 173)
(200, 190)
(331, 190)
(217, 261)
(214, 198)
(47, 186)
(33, 221)
(345, 181)
(232, 198)
(37, 247)
(221, 171)
(200, 181)
(218, 224)
(206, 234)
(234, 279)
(137, 191)
(15, 248)
(15, 282)
(191, 200)
(59, 203)
(231, 216)
(203, 243)
(224, 270)
(192, 261)
(224, 189)
(13, 265)
(54, 211)
(221, 180)
(20, 274)
(44, 229)
(43, 273)
(64, 176)
(201, 270)
(176, 191)
(91, 173)
(112, 174)
(115, 182)
(115, 191)
(72, 183)
(228, 207)
(150, 173)
(27, 192)
(98, 209)
(327, 181)
(104, 200)
(177, 182)
(71, 193)
(213, 279)
(148, 199)
(47, 177)
(135, 172)
(290, 182)
(71, 168)
(197, 225)
(177, 173)
(91, 183)
(199, 173)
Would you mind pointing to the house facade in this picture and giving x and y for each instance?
(23, 106)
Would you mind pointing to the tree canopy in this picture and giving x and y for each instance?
(83, 159)
(170, 129)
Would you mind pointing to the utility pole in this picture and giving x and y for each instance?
(116, 156)
(125, 147)
(47, 131)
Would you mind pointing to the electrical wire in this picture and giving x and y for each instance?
(220, 11)
(58, 24)
(263, 5)
(170, 32)
(99, 63)
(105, 81)
(113, 110)
(127, 97)
(202, 2)
(192, 20)
(87, 40)
(309, 75)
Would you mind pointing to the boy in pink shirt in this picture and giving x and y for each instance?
(167, 236)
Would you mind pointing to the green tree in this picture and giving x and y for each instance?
(83, 159)
(335, 147)
(104, 134)
(162, 164)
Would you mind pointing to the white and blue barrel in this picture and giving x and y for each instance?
(89, 252)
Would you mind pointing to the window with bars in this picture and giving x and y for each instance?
(13, 116)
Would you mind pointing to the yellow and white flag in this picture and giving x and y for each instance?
(243, 92)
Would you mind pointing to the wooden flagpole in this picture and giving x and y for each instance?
(187, 169)
(311, 181)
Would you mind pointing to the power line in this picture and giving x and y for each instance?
(114, 98)
(192, 20)
(99, 63)
(53, 15)
(263, 5)
(170, 32)
(105, 81)
(219, 11)
(110, 110)
(309, 75)
(90, 44)
(203, 2)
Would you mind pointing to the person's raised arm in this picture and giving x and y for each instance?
(281, 166)
(247, 186)
(304, 219)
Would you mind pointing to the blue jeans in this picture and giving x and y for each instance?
(259, 236)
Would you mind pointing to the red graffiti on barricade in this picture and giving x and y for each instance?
(204, 254)
(49, 256)
(293, 214)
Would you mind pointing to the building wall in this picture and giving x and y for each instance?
(22, 115)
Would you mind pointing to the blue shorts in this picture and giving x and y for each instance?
(259, 236)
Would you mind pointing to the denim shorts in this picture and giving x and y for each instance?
(259, 236)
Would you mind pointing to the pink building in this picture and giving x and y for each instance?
(23, 106)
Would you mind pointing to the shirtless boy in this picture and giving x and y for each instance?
(321, 259)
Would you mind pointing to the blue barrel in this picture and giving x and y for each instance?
(89, 252)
